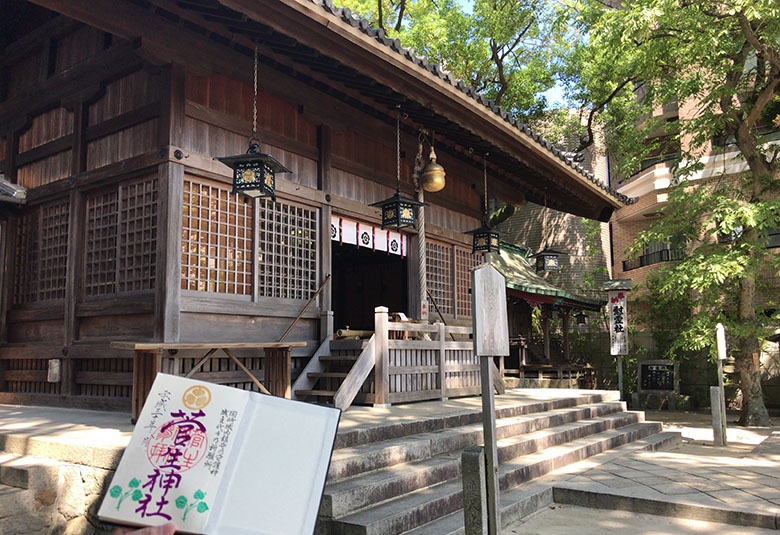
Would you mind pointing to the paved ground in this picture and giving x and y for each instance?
(573, 520)
(739, 484)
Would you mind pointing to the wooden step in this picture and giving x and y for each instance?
(338, 357)
(323, 393)
(319, 375)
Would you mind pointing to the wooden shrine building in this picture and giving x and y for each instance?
(116, 223)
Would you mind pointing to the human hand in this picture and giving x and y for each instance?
(165, 529)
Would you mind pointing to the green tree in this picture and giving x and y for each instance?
(499, 47)
(720, 58)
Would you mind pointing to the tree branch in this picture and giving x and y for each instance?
(401, 10)
(772, 54)
(587, 142)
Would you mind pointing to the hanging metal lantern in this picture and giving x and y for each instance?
(548, 260)
(254, 173)
(432, 176)
(580, 317)
(484, 238)
(398, 211)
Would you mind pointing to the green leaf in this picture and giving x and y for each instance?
(181, 502)
(137, 494)
(134, 483)
(115, 492)
(202, 507)
(199, 495)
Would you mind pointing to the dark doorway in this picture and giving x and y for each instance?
(364, 279)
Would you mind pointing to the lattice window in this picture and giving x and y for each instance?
(439, 274)
(42, 253)
(465, 261)
(138, 236)
(102, 217)
(216, 240)
(287, 251)
(122, 239)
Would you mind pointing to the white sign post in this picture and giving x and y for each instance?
(618, 323)
(491, 339)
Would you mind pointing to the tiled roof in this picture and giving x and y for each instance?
(345, 16)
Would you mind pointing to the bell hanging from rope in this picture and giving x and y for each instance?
(432, 176)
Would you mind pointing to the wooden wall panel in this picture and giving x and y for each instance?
(353, 187)
(450, 219)
(23, 74)
(46, 127)
(41, 331)
(81, 44)
(122, 145)
(115, 327)
(3, 143)
(233, 97)
(373, 153)
(45, 171)
(126, 94)
(197, 327)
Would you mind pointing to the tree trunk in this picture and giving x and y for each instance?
(747, 361)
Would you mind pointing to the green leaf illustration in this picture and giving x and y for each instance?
(202, 507)
(137, 494)
(115, 492)
(134, 483)
(199, 495)
(181, 502)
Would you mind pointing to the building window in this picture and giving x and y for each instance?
(439, 274)
(667, 250)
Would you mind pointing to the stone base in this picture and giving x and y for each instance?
(515, 382)
(661, 401)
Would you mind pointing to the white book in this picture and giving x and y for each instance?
(221, 461)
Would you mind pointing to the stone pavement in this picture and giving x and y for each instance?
(736, 485)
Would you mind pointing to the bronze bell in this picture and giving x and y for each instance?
(432, 176)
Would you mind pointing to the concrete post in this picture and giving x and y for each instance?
(474, 491)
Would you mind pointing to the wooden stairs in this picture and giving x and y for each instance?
(337, 372)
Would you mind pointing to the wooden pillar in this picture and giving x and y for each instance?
(171, 127)
(381, 359)
(442, 359)
(168, 275)
(9, 273)
(546, 331)
(565, 316)
(324, 142)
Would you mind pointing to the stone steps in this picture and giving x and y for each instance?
(24, 471)
(411, 510)
(395, 479)
(347, 462)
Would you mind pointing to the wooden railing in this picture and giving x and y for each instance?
(416, 370)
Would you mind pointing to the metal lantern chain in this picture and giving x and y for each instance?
(398, 150)
(484, 169)
(254, 104)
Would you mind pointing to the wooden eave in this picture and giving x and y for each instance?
(328, 49)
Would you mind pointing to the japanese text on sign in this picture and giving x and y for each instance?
(618, 326)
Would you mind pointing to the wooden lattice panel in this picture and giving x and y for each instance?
(465, 261)
(439, 274)
(102, 216)
(122, 239)
(216, 240)
(41, 254)
(137, 236)
(104, 378)
(287, 250)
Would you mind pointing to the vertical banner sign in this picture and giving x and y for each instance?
(618, 326)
